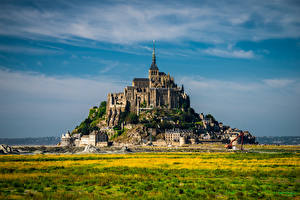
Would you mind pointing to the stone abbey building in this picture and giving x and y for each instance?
(158, 90)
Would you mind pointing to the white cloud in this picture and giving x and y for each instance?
(27, 50)
(33, 104)
(230, 53)
(130, 22)
(109, 65)
(201, 84)
(36, 85)
(247, 105)
(278, 83)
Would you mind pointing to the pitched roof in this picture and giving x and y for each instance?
(141, 79)
(153, 66)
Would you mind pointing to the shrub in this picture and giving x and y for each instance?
(102, 109)
(132, 118)
(209, 116)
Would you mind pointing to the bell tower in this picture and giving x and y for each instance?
(153, 71)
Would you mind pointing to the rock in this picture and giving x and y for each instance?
(38, 152)
(5, 149)
(125, 149)
(91, 149)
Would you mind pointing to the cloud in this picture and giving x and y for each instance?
(251, 105)
(34, 104)
(278, 83)
(200, 83)
(109, 65)
(27, 50)
(40, 86)
(126, 22)
(230, 53)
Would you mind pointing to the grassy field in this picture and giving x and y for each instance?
(271, 175)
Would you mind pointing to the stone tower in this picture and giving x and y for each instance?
(159, 90)
(153, 71)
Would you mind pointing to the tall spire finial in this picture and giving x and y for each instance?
(153, 65)
(153, 54)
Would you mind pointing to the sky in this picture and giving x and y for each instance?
(238, 60)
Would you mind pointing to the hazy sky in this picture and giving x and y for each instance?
(238, 60)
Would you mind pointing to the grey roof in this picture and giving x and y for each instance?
(141, 79)
(154, 66)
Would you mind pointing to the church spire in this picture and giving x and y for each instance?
(153, 65)
(153, 54)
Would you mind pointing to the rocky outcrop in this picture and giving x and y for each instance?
(145, 111)
(5, 149)
(91, 149)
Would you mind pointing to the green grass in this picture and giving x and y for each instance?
(91, 177)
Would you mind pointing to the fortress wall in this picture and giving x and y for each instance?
(116, 103)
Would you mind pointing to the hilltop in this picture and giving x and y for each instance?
(153, 110)
(151, 125)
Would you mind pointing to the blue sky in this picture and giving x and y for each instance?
(238, 60)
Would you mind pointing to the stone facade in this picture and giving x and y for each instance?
(172, 137)
(158, 90)
(179, 137)
(95, 138)
(66, 139)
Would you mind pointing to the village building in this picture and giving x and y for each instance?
(179, 137)
(95, 138)
(66, 139)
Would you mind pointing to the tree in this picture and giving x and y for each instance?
(209, 116)
(102, 109)
(132, 118)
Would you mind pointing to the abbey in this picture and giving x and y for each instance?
(164, 117)
(158, 90)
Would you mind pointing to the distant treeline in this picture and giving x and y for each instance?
(281, 140)
(30, 141)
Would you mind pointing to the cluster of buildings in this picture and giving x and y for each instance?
(157, 91)
(95, 138)
(209, 130)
